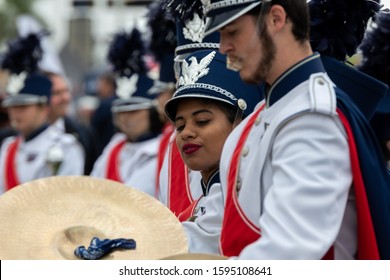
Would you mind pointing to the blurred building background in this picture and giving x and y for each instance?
(80, 31)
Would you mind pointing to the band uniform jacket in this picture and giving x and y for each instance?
(31, 162)
(136, 163)
(294, 176)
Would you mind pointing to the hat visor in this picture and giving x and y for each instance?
(171, 105)
(131, 107)
(219, 20)
(23, 100)
(131, 104)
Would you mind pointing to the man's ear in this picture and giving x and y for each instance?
(277, 17)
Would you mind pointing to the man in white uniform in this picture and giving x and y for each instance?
(38, 150)
(58, 117)
(286, 170)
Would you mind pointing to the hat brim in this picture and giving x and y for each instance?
(131, 104)
(171, 105)
(131, 107)
(219, 20)
(23, 100)
(49, 218)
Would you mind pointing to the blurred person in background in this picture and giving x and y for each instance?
(51, 66)
(5, 127)
(38, 150)
(131, 155)
(58, 117)
(101, 121)
(85, 107)
(375, 51)
(162, 45)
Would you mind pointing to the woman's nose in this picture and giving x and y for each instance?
(188, 132)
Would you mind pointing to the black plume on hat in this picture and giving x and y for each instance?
(375, 49)
(184, 9)
(337, 27)
(126, 53)
(163, 28)
(23, 54)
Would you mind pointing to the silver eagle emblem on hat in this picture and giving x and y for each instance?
(126, 87)
(192, 72)
(194, 29)
(16, 83)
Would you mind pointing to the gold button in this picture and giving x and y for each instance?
(257, 121)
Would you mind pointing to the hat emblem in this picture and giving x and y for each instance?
(192, 72)
(126, 87)
(16, 83)
(194, 29)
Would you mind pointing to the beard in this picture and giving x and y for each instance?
(263, 66)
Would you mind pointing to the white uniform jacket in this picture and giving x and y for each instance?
(294, 171)
(207, 214)
(31, 156)
(137, 163)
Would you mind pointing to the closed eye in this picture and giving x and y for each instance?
(231, 33)
(179, 128)
(203, 122)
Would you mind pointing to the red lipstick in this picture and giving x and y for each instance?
(190, 148)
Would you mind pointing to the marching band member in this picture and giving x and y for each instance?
(131, 156)
(287, 169)
(179, 186)
(38, 150)
(209, 102)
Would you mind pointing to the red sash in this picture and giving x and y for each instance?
(11, 176)
(113, 164)
(166, 135)
(189, 212)
(237, 231)
(179, 193)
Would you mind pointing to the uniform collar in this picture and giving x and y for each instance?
(213, 180)
(145, 137)
(36, 132)
(294, 76)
